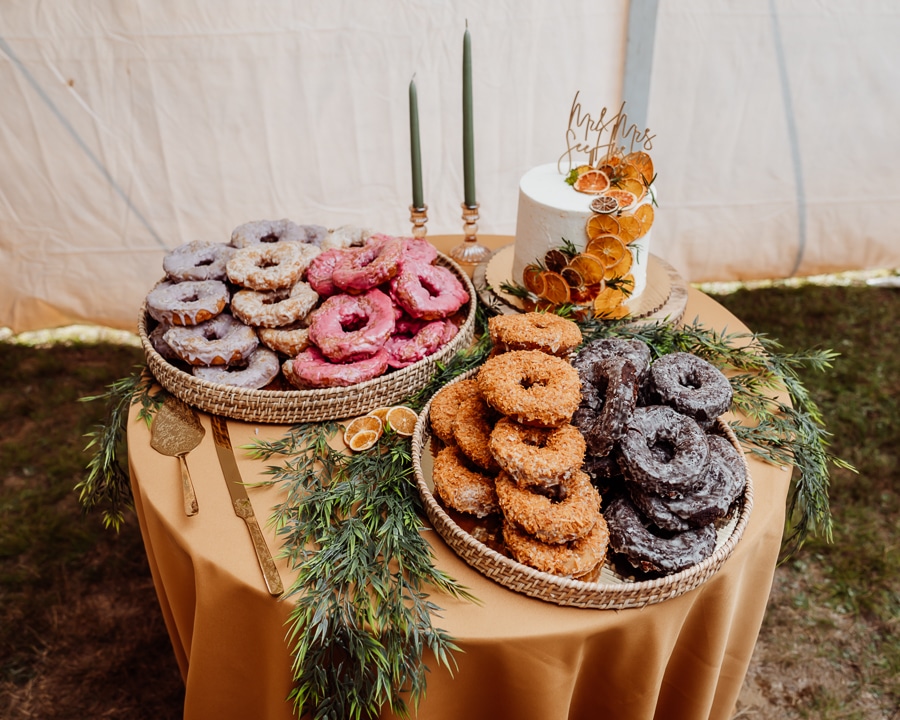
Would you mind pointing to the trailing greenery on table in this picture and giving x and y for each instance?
(350, 524)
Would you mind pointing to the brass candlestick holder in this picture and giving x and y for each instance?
(470, 251)
(418, 217)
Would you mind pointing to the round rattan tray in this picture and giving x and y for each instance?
(293, 406)
(611, 590)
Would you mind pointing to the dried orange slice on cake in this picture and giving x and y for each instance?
(609, 249)
(644, 215)
(533, 279)
(598, 225)
(632, 185)
(590, 268)
(592, 182)
(642, 163)
(625, 198)
(556, 289)
(621, 267)
(630, 228)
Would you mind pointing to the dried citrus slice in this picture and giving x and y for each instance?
(533, 279)
(556, 289)
(630, 228)
(555, 260)
(644, 215)
(625, 198)
(632, 185)
(609, 249)
(363, 440)
(642, 162)
(362, 424)
(572, 277)
(593, 182)
(604, 205)
(620, 268)
(590, 268)
(402, 420)
(608, 301)
(598, 225)
(380, 413)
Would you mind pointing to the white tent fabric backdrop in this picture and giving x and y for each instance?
(130, 127)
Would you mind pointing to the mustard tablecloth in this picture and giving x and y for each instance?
(522, 658)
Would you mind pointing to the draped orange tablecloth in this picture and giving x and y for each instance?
(684, 658)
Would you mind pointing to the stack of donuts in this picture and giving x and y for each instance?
(506, 447)
(652, 445)
(325, 309)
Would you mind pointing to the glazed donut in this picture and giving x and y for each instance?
(319, 272)
(418, 250)
(311, 369)
(428, 292)
(369, 266)
(615, 380)
(267, 232)
(537, 458)
(270, 266)
(631, 535)
(290, 340)
(273, 308)
(445, 406)
(197, 260)
(220, 341)
(692, 386)
(637, 351)
(314, 234)
(346, 236)
(475, 421)
(187, 303)
(531, 387)
(405, 349)
(720, 486)
(549, 521)
(261, 369)
(574, 559)
(547, 332)
(464, 489)
(347, 328)
(663, 451)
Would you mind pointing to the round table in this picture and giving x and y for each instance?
(522, 658)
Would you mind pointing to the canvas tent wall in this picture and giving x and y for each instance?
(127, 128)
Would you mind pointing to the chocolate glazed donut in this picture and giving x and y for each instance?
(692, 386)
(616, 380)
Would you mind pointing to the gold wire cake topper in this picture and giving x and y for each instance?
(602, 136)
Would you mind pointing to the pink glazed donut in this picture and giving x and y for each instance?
(311, 369)
(369, 266)
(352, 327)
(406, 348)
(428, 292)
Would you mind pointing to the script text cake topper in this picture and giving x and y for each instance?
(600, 136)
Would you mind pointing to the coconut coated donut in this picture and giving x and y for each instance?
(663, 451)
(187, 303)
(350, 327)
(537, 458)
(261, 369)
(692, 386)
(531, 387)
(274, 308)
(270, 266)
(464, 489)
(428, 292)
(311, 369)
(220, 341)
(267, 232)
(368, 267)
(475, 421)
(445, 406)
(572, 559)
(197, 260)
(546, 332)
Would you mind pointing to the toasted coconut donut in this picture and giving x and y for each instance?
(347, 328)
(692, 386)
(274, 308)
(546, 332)
(663, 451)
(650, 549)
(220, 341)
(311, 369)
(260, 369)
(573, 559)
(270, 266)
(445, 406)
(537, 457)
(368, 267)
(549, 521)
(531, 387)
(187, 303)
(428, 292)
(475, 420)
(264, 232)
(197, 260)
(461, 487)
(290, 340)
(616, 380)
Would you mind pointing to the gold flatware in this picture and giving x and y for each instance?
(241, 504)
(175, 431)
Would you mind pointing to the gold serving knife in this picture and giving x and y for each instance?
(241, 504)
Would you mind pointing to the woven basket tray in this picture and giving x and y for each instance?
(294, 406)
(611, 590)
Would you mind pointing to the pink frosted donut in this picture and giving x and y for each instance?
(275, 308)
(197, 260)
(270, 266)
(428, 292)
(370, 266)
(350, 327)
(311, 369)
(261, 369)
(319, 272)
(408, 347)
(220, 341)
(418, 250)
(187, 303)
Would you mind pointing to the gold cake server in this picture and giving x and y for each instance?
(175, 431)
(241, 504)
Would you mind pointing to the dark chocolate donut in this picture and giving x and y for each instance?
(650, 549)
(636, 351)
(616, 380)
(692, 386)
(663, 451)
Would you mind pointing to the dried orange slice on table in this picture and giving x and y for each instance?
(364, 424)
(363, 440)
(402, 420)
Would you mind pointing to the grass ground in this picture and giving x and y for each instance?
(81, 635)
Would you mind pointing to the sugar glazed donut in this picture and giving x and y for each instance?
(537, 458)
(574, 559)
(428, 292)
(347, 328)
(270, 266)
(219, 341)
(362, 269)
(692, 386)
(187, 303)
(274, 308)
(260, 369)
(310, 369)
(462, 487)
(267, 232)
(546, 332)
(289, 340)
(197, 260)
(531, 387)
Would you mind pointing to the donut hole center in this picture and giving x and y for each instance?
(212, 334)
(354, 322)
(528, 383)
(662, 450)
(190, 297)
(205, 262)
(690, 380)
(270, 238)
(430, 287)
(536, 440)
(266, 263)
